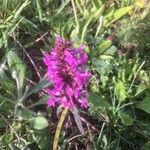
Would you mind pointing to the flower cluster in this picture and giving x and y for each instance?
(67, 72)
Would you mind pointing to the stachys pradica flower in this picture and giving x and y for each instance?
(68, 74)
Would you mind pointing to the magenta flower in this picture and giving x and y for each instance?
(67, 71)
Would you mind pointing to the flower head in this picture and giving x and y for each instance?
(67, 72)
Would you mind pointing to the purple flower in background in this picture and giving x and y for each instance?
(67, 71)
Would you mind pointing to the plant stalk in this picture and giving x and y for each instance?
(59, 126)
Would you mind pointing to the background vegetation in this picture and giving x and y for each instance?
(116, 34)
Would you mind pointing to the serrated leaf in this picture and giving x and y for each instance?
(144, 105)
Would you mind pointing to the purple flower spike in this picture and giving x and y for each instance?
(67, 71)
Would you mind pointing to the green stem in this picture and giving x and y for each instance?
(59, 126)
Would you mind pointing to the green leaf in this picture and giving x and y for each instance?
(117, 14)
(126, 118)
(144, 105)
(6, 104)
(62, 7)
(23, 112)
(96, 3)
(43, 139)
(41, 101)
(92, 18)
(120, 90)
(104, 80)
(111, 51)
(39, 123)
(17, 13)
(104, 45)
(102, 66)
(44, 83)
(16, 64)
(97, 101)
(2, 123)
(7, 138)
(39, 9)
(104, 140)
(85, 29)
(106, 57)
(7, 83)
